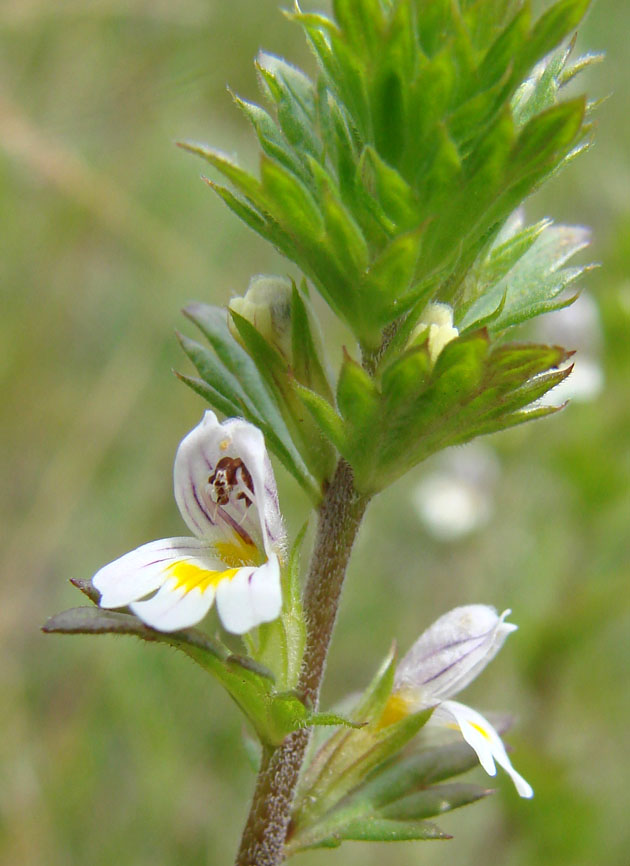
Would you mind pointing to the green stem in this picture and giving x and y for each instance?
(340, 515)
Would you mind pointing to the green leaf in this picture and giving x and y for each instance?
(271, 139)
(343, 145)
(367, 711)
(249, 215)
(315, 450)
(359, 817)
(434, 801)
(430, 99)
(442, 173)
(212, 322)
(287, 713)
(386, 830)
(244, 182)
(361, 23)
(417, 771)
(273, 714)
(216, 375)
(355, 756)
(552, 27)
(343, 72)
(485, 321)
(514, 363)
(387, 185)
(249, 686)
(329, 422)
(547, 135)
(459, 368)
(387, 287)
(259, 407)
(308, 366)
(345, 238)
(436, 17)
(372, 703)
(210, 395)
(290, 201)
(359, 403)
(293, 95)
(357, 397)
(505, 422)
(388, 113)
(289, 80)
(503, 257)
(405, 378)
(535, 282)
(568, 73)
(501, 53)
(540, 91)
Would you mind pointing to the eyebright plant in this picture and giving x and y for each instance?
(392, 179)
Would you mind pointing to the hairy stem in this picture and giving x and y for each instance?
(340, 515)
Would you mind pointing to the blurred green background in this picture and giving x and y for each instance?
(112, 752)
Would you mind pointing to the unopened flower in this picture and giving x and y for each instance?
(438, 320)
(226, 493)
(442, 662)
(267, 306)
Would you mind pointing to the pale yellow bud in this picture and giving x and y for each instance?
(267, 306)
(438, 319)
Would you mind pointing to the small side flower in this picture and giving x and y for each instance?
(441, 663)
(226, 493)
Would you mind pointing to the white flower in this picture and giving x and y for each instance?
(442, 662)
(226, 493)
(456, 498)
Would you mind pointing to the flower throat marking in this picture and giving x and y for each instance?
(231, 473)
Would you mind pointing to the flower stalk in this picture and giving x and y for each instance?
(340, 516)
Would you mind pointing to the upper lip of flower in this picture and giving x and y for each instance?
(226, 493)
(451, 652)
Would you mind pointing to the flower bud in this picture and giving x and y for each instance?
(438, 320)
(267, 306)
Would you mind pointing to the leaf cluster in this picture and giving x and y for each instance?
(385, 177)
(391, 179)
(386, 424)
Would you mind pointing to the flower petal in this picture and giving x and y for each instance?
(451, 652)
(173, 607)
(143, 570)
(184, 572)
(226, 491)
(251, 597)
(483, 738)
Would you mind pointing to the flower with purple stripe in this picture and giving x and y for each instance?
(442, 662)
(226, 492)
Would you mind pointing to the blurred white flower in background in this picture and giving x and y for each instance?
(457, 497)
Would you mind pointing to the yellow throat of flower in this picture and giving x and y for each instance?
(398, 707)
(238, 553)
